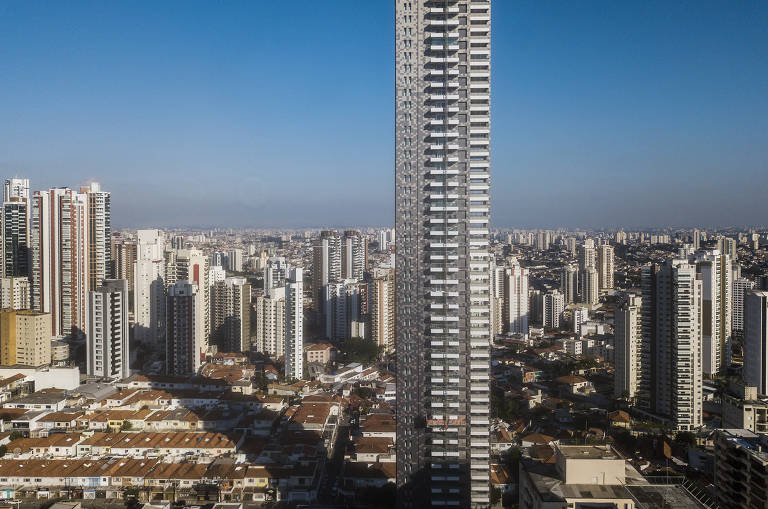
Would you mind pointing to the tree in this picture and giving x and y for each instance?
(359, 350)
(15, 435)
(126, 426)
(3, 450)
(686, 438)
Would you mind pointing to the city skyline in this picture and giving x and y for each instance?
(598, 99)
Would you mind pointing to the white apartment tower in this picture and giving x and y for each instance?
(192, 265)
(741, 286)
(552, 308)
(442, 204)
(354, 255)
(60, 258)
(516, 299)
(716, 284)
(590, 286)
(270, 323)
(149, 287)
(672, 357)
(756, 340)
(381, 306)
(275, 273)
(605, 266)
(294, 324)
(569, 284)
(627, 346)
(108, 331)
(231, 315)
(99, 234)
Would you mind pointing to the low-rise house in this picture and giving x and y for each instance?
(373, 450)
(379, 426)
(160, 444)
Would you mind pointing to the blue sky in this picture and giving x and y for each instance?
(250, 113)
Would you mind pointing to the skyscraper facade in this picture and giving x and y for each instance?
(442, 201)
(183, 343)
(605, 266)
(149, 287)
(715, 272)
(294, 324)
(628, 340)
(516, 299)
(231, 315)
(671, 384)
(99, 234)
(756, 340)
(60, 258)
(108, 354)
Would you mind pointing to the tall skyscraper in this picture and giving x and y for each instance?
(569, 284)
(326, 268)
(183, 344)
(294, 324)
(756, 340)
(149, 287)
(715, 271)
(590, 286)
(60, 258)
(192, 265)
(99, 234)
(342, 308)
(25, 337)
(741, 286)
(108, 353)
(628, 338)
(381, 306)
(123, 263)
(231, 315)
(442, 199)
(671, 327)
(275, 273)
(15, 224)
(270, 323)
(552, 308)
(605, 266)
(516, 299)
(354, 255)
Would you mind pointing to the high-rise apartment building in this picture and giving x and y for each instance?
(553, 304)
(354, 255)
(270, 323)
(628, 339)
(25, 337)
(342, 303)
(192, 265)
(99, 234)
(728, 246)
(149, 287)
(15, 232)
(326, 268)
(231, 315)
(498, 276)
(741, 286)
(183, 344)
(605, 266)
(14, 293)
(275, 273)
(756, 340)
(516, 299)
(123, 252)
(569, 284)
(715, 274)
(16, 189)
(590, 286)
(381, 307)
(108, 354)
(60, 259)
(671, 384)
(442, 199)
(294, 324)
